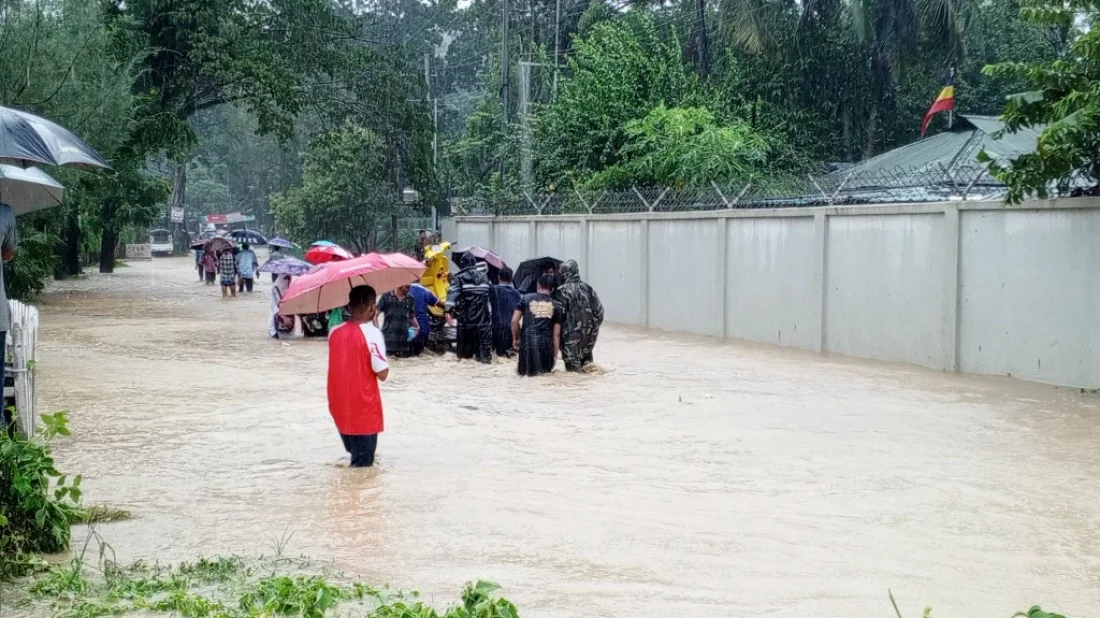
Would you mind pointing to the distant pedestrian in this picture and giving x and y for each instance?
(246, 268)
(468, 302)
(536, 329)
(227, 270)
(198, 263)
(505, 297)
(398, 310)
(356, 363)
(209, 266)
(582, 316)
(422, 243)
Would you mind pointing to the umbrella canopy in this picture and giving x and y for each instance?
(28, 190)
(218, 243)
(324, 243)
(26, 139)
(327, 253)
(287, 266)
(481, 253)
(527, 274)
(279, 241)
(327, 287)
(198, 244)
(251, 237)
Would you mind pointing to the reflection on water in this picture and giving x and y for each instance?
(688, 478)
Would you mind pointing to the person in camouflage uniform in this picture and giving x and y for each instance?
(583, 315)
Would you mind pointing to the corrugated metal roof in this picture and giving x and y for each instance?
(956, 147)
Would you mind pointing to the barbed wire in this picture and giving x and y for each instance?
(839, 188)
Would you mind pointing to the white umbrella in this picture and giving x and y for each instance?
(28, 190)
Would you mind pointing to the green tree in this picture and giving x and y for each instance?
(622, 69)
(682, 147)
(344, 195)
(271, 58)
(1062, 98)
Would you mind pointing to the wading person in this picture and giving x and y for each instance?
(209, 266)
(246, 268)
(536, 329)
(582, 315)
(398, 311)
(423, 300)
(468, 302)
(279, 326)
(227, 270)
(505, 298)
(356, 363)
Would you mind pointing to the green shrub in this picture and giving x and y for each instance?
(34, 517)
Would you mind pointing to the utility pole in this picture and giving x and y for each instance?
(435, 135)
(525, 124)
(557, 44)
(701, 42)
(504, 84)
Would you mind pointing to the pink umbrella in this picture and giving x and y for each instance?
(326, 287)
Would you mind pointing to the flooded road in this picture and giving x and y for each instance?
(692, 478)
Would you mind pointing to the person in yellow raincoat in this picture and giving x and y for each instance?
(436, 278)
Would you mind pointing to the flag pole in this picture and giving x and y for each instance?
(951, 112)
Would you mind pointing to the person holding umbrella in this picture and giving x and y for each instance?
(209, 266)
(227, 269)
(468, 301)
(356, 363)
(246, 267)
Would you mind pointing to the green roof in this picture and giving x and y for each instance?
(954, 148)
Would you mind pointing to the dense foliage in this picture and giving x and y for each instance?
(1063, 97)
(37, 503)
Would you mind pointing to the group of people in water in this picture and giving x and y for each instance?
(233, 268)
(472, 316)
(562, 314)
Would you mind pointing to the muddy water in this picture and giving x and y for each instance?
(689, 479)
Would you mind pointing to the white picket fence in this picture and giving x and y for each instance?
(20, 356)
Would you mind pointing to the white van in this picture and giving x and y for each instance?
(160, 242)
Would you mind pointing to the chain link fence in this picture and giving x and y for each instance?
(840, 188)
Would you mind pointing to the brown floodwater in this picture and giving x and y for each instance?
(689, 478)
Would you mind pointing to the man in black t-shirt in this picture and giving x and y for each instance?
(537, 340)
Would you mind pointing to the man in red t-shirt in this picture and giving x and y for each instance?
(356, 362)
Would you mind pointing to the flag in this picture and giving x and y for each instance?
(944, 102)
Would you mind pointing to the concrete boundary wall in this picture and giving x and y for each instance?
(959, 286)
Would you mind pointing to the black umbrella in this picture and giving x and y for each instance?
(26, 139)
(527, 275)
(251, 237)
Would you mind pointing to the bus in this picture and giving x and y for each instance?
(160, 242)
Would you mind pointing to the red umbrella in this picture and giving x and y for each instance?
(327, 287)
(322, 254)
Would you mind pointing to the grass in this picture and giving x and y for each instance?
(100, 514)
(228, 587)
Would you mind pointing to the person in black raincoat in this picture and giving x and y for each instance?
(468, 302)
(582, 315)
